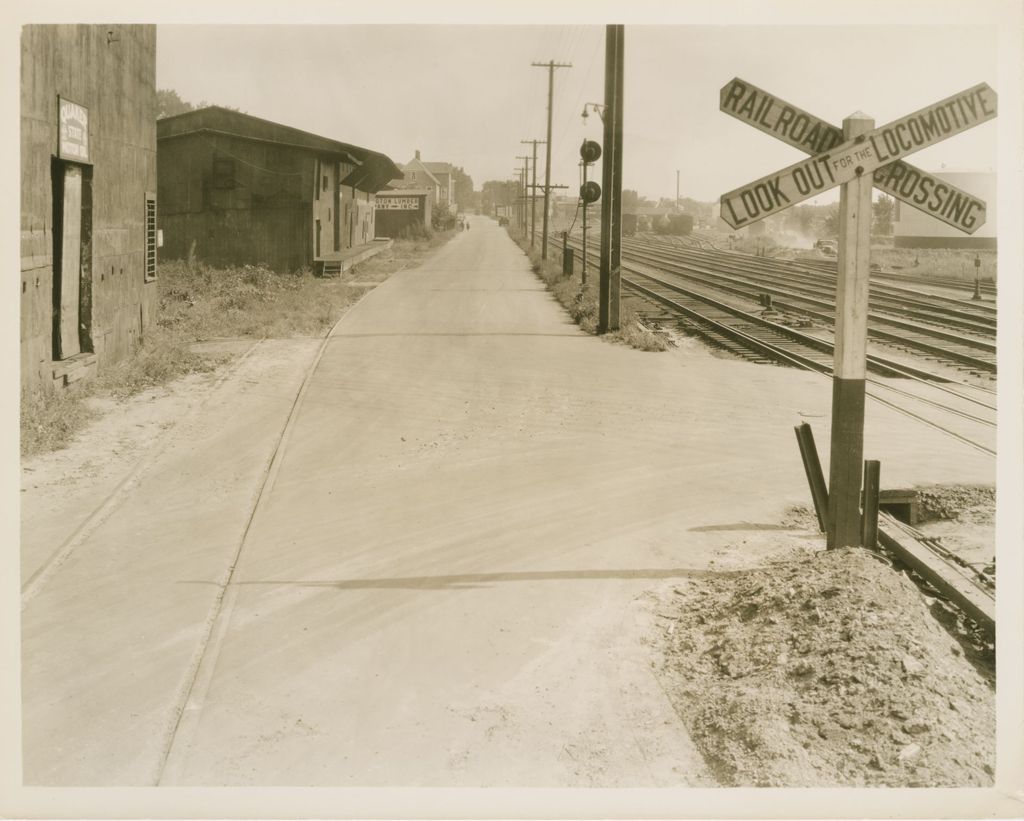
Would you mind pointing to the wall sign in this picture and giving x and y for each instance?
(397, 203)
(73, 140)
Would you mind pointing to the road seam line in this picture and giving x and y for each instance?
(184, 722)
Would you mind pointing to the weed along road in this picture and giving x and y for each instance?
(439, 563)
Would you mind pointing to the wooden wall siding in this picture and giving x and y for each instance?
(280, 238)
(266, 215)
(393, 223)
(116, 81)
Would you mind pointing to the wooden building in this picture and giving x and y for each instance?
(404, 212)
(88, 198)
(236, 189)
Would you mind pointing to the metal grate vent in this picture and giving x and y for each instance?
(150, 238)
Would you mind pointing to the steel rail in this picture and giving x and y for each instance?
(806, 363)
(957, 356)
(815, 291)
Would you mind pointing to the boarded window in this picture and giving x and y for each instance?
(223, 172)
(150, 237)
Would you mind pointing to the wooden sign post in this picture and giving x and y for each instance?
(850, 365)
(856, 158)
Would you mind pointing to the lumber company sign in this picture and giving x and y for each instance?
(385, 203)
(878, 152)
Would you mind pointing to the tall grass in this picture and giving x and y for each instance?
(197, 303)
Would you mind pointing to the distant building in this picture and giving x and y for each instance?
(916, 229)
(437, 178)
(401, 212)
(88, 198)
(236, 189)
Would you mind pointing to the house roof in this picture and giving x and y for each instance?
(372, 171)
(419, 164)
(438, 167)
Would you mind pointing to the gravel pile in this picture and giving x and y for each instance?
(958, 502)
(827, 671)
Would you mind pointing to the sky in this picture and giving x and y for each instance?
(468, 94)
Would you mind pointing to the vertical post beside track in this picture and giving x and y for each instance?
(850, 368)
(872, 479)
(815, 476)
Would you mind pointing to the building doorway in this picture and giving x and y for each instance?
(72, 260)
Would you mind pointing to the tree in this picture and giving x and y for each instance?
(498, 192)
(882, 212)
(168, 103)
(463, 184)
(830, 224)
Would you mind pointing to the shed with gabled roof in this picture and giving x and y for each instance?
(236, 189)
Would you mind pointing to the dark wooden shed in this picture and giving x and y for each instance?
(402, 212)
(236, 189)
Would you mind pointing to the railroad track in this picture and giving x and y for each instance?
(961, 411)
(967, 286)
(979, 318)
(921, 324)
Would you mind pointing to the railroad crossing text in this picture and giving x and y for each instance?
(931, 195)
(934, 123)
(761, 110)
(864, 154)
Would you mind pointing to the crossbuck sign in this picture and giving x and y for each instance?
(835, 162)
(854, 157)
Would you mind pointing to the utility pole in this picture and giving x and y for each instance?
(611, 193)
(583, 201)
(526, 178)
(520, 191)
(677, 189)
(551, 65)
(533, 191)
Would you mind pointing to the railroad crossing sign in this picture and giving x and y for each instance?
(838, 164)
(855, 158)
(812, 135)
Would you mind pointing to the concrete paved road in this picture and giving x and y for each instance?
(445, 580)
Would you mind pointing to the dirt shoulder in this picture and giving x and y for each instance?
(824, 668)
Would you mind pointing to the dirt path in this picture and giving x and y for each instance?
(446, 580)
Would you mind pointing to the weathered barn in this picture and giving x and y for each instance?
(236, 189)
(402, 212)
(88, 198)
(916, 229)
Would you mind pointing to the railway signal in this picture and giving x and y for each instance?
(847, 159)
(590, 152)
(918, 189)
(590, 192)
